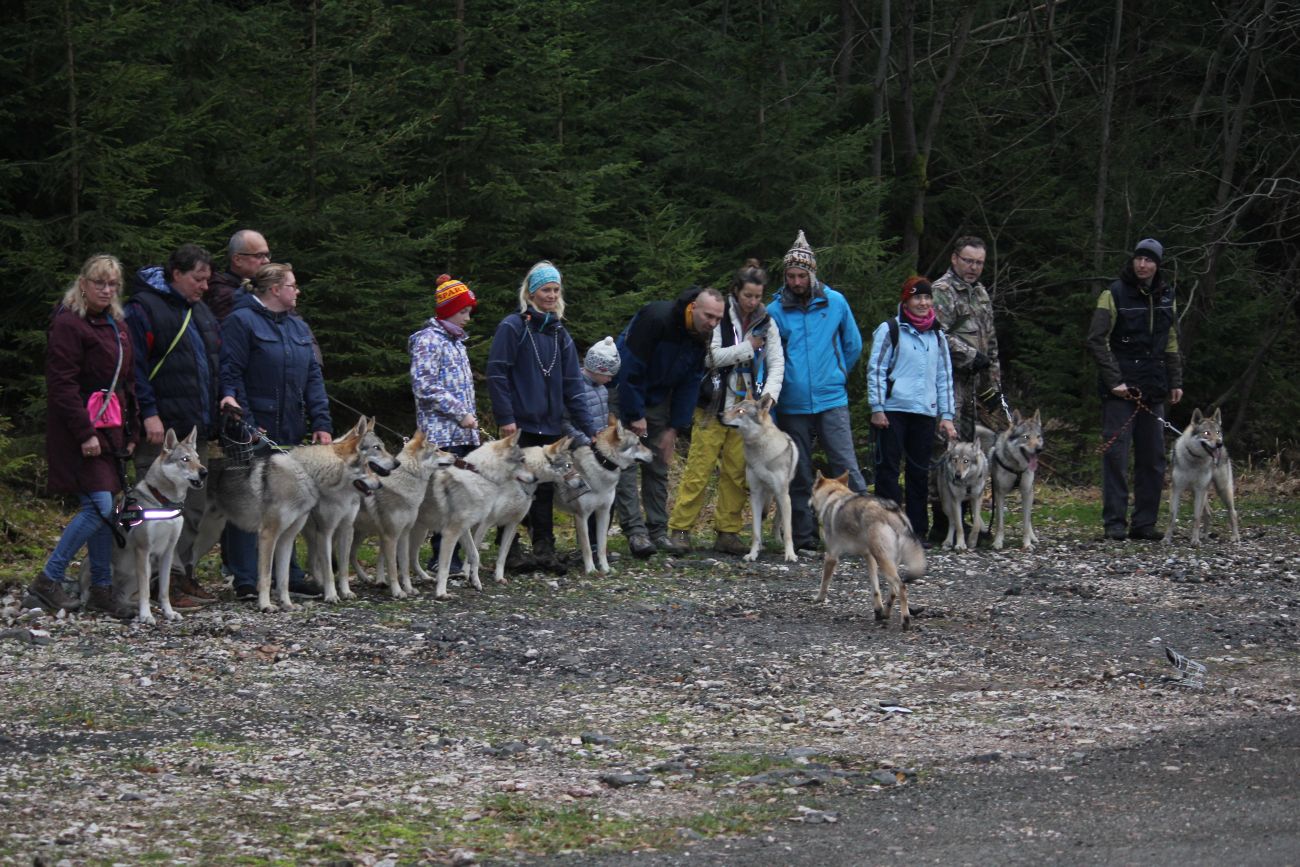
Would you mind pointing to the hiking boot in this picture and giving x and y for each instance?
(1146, 534)
(191, 588)
(680, 539)
(306, 586)
(245, 592)
(729, 543)
(182, 601)
(518, 559)
(49, 594)
(640, 546)
(544, 557)
(101, 599)
(669, 546)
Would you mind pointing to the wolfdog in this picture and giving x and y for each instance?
(600, 464)
(963, 470)
(392, 512)
(273, 496)
(1013, 462)
(876, 529)
(1199, 457)
(151, 544)
(770, 461)
(329, 524)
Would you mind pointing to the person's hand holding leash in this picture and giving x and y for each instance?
(638, 427)
(948, 428)
(153, 430)
(880, 420)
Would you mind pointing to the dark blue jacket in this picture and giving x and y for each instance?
(268, 366)
(183, 391)
(533, 376)
(661, 360)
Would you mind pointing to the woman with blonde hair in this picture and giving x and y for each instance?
(533, 378)
(91, 422)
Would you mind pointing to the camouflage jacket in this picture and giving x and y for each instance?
(966, 314)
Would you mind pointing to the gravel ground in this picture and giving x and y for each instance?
(671, 703)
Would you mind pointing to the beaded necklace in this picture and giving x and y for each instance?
(555, 356)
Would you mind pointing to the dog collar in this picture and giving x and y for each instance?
(602, 460)
(162, 501)
(1017, 473)
(462, 464)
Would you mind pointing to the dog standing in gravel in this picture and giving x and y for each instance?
(963, 472)
(1013, 462)
(600, 465)
(151, 544)
(874, 528)
(770, 461)
(1199, 458)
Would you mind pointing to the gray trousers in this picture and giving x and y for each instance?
(144, 456)
(654, 482)
(1147, 436)
(834, 431)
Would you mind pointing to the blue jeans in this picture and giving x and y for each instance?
(240, 548)
(835, 433)
(86, 528)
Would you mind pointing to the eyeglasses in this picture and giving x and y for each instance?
(264, 254)
(974, 263)
(104, 284)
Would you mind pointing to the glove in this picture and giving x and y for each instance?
(981, 362)
(991, 396)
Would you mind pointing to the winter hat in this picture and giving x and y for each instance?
(1151, 248)
(541, 274)
(915, 286)
(603, 358)
(453, 296)
(800, 255)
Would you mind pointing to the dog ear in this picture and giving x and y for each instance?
(820, 477)
(766, 402)
(418, 439)
(561, 445)
(952, 444)
(193, 438)
(1196, 416)
(1016, 418)
(169, 440)
(843, 478)
(370, 423)
(1218, 415)
(1038, 417)
(514, 438)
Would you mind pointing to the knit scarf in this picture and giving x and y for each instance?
(456, 332)
(920, 323)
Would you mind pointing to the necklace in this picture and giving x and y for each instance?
(555, 356)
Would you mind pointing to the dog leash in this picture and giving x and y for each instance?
(404, 437)
(1140, 407)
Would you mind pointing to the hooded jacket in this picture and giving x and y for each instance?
(661, 359)
(822, 343)
(268, 366)
(1134, 336)
(922, 374)
(533, 377)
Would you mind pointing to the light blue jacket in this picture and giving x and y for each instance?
(922, 375)
(822, 343)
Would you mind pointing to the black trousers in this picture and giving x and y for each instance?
(906, 444)
(1147, 436)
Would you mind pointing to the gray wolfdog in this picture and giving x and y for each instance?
(1013, 462)
(600, 464)
(963, 470)
(329, 524)
(874, 528)
(770, 461)
(392, 512)
(151, 544)
(273, 497)
(1200, 458)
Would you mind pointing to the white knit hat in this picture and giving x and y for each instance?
(603, 358)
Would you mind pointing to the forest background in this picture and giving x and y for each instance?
(646, 147)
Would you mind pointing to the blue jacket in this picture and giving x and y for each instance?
(822, 343)
(533, 378)
(268, 366)
(922, 375)
(596, 396)
(661, 360)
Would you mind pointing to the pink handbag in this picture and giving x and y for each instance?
(104, 408)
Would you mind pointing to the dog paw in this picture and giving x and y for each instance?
(173, 616)
(148, 620)
(791, 557)
(750, 557)
(268, 608)
(330, 599)
(398, 593)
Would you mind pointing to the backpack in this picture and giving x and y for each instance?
(893, 358)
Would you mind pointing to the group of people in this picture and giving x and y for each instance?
(189, 345)
(184, 346)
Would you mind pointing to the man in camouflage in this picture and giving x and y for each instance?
(965, 313)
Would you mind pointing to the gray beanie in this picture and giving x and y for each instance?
(603, 358)
(1152, 249)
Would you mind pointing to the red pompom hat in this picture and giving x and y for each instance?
(453, 296)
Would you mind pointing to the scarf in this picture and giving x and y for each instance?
(456, 332)
(920, 323)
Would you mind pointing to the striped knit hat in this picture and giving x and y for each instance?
(801, 255)
(453, 296)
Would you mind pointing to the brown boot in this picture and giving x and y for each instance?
(49, 594)
(680, 540)
(729, 543)
(101, 600)
(190, 587)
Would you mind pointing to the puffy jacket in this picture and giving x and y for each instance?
(661, 360)
(184, 391)
(922, 374)
(443, 384)
(533, 377)
(822, 343)
(596, 397)
(268, 366)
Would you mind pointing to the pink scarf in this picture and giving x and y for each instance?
(920, 323)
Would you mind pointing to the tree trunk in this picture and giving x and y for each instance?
(311, 112)
(848, 39)
(74, 140)
(880, 84)
(1103, 156)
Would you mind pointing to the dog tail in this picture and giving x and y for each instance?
(911, 556)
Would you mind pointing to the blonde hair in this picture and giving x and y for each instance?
(526, 298)
(267, 276)
(100, 266)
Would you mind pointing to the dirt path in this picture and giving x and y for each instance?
(657, 708)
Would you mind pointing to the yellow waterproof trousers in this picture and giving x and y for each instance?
(711, 440)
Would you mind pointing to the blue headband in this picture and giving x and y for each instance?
(542, 273)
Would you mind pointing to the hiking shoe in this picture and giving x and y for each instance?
(101, 599)
(245, 592)
(49, 594)
(191, 588)
(729, 543)
(640, 545)
(1146, 534)
(680, 539)
(518, 559)
(305, 586)
(669, 546)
